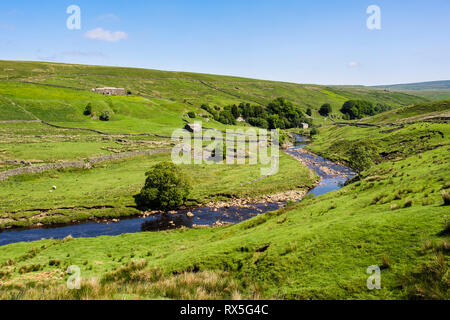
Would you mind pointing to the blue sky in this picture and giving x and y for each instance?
(323, 42)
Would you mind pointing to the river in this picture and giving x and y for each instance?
(333, 176)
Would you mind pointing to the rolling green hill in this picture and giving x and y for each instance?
(433, 90)
(431, 85)
(182, 89)
(394, 216)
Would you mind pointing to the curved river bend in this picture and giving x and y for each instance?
(333, 177)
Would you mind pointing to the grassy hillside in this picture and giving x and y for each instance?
(418, 112)
(320, 248)
(182, 87)
(433, 90)
(431, 85)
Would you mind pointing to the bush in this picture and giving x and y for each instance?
(104, 116)
(192, 115)
(362, 155)
(314, 132)
(88, 110)
(325, 110)
(309, 112)
(166, 187)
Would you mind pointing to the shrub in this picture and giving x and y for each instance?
(314, 132)
(192, 115)
(166, 187)
(104, 116)
(362, 155)
(309, 112)
(88, 110)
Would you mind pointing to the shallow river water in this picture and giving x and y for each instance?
(333, 177)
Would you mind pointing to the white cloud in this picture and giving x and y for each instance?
(353, 64)
(106, 35)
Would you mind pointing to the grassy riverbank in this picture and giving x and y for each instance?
(106, 190)
(394, 218)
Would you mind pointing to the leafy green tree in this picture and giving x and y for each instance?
(309, 112)
(88, 110)
(259, 122)
(226, 117)
(325, 110)
(166, 187)
(235, 111)
(357, 109)
(362, 155)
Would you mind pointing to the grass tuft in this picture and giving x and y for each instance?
(446, 197)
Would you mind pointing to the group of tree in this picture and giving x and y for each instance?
(224, 116)
(279, 114)
(358, 109)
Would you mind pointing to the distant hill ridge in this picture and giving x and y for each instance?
(431, 85)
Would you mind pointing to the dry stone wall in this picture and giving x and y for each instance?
(76, 164)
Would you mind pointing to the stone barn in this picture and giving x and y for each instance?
(304, 126)
(110, 91)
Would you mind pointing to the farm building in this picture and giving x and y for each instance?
(110, 91)
(304, 126)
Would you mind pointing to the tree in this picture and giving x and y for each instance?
(325, 110)
(226, 117)
(88, 110)
(362, 155)
(357, 109)
(309, 112)
(259, 122)
(166, 187)
(235, 111)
